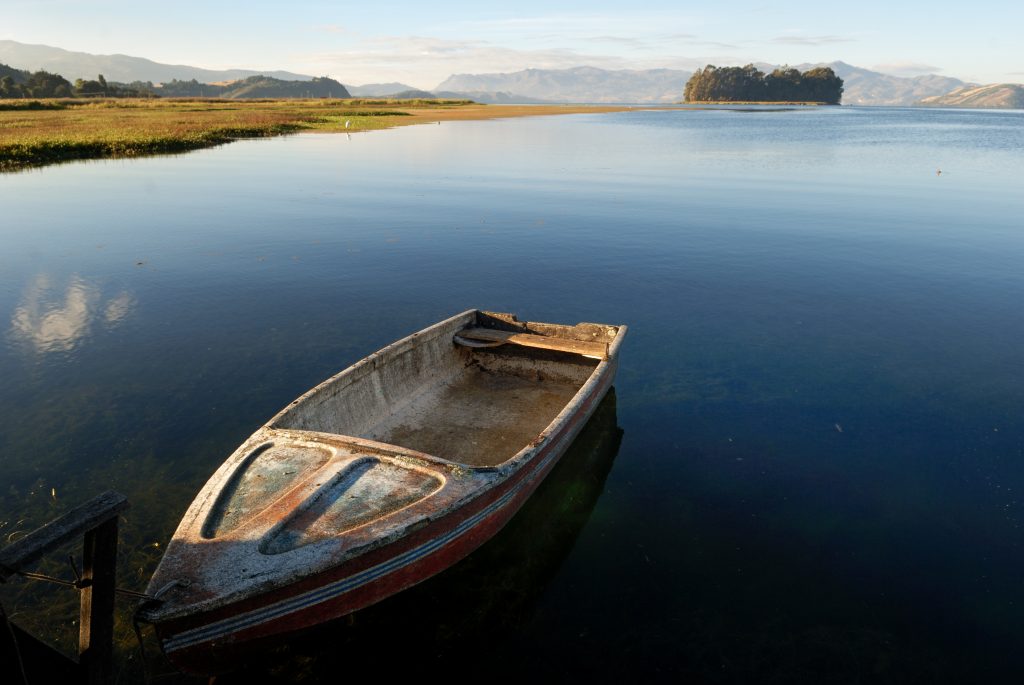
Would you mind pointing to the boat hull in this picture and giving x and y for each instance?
(214, 641)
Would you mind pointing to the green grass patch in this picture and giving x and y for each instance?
(29, 105)
(43, 151)
(41, 132)
(373, 113)
(417, 102)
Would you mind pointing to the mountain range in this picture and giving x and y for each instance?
(589, 84)
(376, 90)
(995, 96)
(865, 87)
(578, 84)
(123, 68)
(402, 91)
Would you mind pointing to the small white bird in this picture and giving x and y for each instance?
(347, 122)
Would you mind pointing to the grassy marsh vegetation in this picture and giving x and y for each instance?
(35, 133)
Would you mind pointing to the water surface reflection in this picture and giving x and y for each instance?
(783, 274)
(53, 317)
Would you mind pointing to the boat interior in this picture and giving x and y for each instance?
(473, 390)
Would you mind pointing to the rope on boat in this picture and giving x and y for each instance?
(138, 620)
(137, 627)
(80, 583)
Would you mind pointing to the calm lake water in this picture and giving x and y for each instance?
(812, 467)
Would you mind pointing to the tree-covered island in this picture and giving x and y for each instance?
(750, 84)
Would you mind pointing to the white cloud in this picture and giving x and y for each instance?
(659, 42)
(810, 40)
(625, 41)
(425, 62)
(579, 25)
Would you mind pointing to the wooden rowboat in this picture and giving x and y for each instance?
(376, 479)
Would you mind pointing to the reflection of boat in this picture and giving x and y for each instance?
(486, 599)
(377, 479)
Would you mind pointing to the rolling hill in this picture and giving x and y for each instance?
(123, 68)
(374, 90)
(995, 96)
(579, 84)
(866, 87)
(590, 84)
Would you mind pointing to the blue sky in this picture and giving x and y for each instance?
(421, 43)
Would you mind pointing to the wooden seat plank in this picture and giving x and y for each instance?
(587, 348)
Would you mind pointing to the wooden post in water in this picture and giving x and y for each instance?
(97, 519)
(96, 617)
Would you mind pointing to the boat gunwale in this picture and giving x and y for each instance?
(356, 370)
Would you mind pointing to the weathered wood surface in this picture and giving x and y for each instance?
(590, 349)
(29, 549)
(96, 615)
(97, 521)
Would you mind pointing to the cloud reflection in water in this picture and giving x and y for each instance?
(55, 321)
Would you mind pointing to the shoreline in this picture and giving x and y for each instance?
(477, 112)
(40, 133)
(776, 103)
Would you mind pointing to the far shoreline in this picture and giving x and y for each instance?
(38, 133)
(769, 103)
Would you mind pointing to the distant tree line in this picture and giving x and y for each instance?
(255, 87)
(17, 83)
(101, 88)
(750, 84)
